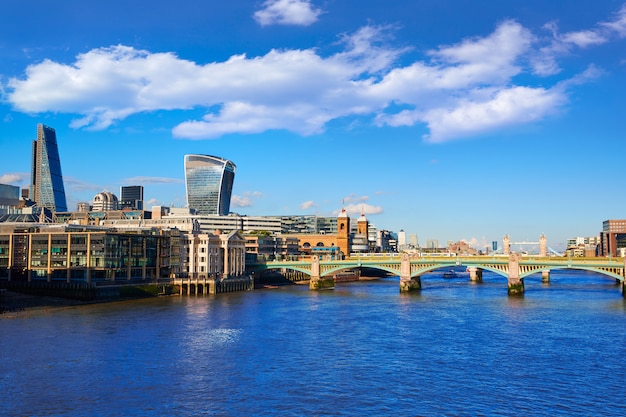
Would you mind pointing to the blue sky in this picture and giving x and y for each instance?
(447, 119)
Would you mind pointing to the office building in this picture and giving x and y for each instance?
(68, 253)
(209, 182)
(583, 246)
(613, 238)
(9, 195)
(401, 240)
(131, 197)
(46, 188)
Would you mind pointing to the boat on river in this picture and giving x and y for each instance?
(450, 274)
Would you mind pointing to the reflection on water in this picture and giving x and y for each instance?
(455, 348)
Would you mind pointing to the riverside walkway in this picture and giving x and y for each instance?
(514, 267)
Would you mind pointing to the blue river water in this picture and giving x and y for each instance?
(363, 349)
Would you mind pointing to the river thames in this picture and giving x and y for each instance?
(455, 349)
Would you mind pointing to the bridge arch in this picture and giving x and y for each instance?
(269, 266)
(608, 274)
(429, 268)
(335, 270)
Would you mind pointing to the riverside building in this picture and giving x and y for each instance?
(613, 238)
(67, 253)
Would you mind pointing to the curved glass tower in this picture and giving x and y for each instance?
(46, 188)
(209, 181)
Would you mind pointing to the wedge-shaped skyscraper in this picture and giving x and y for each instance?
(209, 181)
(46, 188)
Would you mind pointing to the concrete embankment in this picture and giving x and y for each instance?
(29, 296)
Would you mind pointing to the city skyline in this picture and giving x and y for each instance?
(449, 120)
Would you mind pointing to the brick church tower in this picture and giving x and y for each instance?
(343, 232)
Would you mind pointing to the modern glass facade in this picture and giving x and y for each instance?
(46, 188)
(84, 255)
(209, 181)
(9, 195)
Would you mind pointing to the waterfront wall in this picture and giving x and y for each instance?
(212, 285)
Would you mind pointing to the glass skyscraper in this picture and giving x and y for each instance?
(46, 188)
(209, 181)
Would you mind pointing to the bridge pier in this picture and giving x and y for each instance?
(476, 274)
(516, 284)
(545, 276)
(408, 283)
(624, 279)
(411, 284)
(318, 282)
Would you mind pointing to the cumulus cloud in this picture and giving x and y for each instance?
(13, 178)
(356, 209)
(287, 12)
(477, 243)
(458, 90)
(307, 205)
(245, 200)
(77, 186)
(506, 107)
(353, 198)
(239, 201)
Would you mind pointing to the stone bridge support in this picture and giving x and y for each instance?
(317, 282)
(545, 276)
(408, 284)
(516, 284)
(624, 279)
(476, 274)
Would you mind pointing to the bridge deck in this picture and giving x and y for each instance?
(613, 267)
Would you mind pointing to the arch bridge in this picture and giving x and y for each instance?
(410, 268)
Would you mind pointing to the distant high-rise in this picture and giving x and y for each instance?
(131, 197)
(401, 240)
(9, 195)
(209, 181)
(105, 201)
(46, 188)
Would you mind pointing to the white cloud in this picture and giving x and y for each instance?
(356, 209)
(506, 107)
(77, 186)
(545, 61)
(618, 24)
(247, 200)
(458, 90)
(584, 38)
(13, 178)
(353, 198)
(307, 205)
(476, 243)
(239, 201)
(287, 12)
